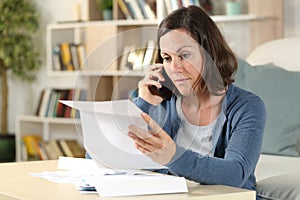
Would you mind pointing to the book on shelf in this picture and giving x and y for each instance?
(57, 59)
(136, 9)
(80, 95)
(24, 155)
(42, 150)
(131, 58)
(39, 103)
(125, 53)
(167, 6)
(44, 100)
(65, 148)
(186, 3)
(74, 56)
(68, 56)
(152, 4)
(137, 59)
(71, 148)
(81, 55)
(124, 9)
(60, 110)
(49, 151)
(50, 112)
(31, 146)
(49, 105)
(34, 148)
(76, 148)
(149, 57)
(146, 9)
(56, 148)
(68, 110)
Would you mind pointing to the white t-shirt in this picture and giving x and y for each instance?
(195, 138)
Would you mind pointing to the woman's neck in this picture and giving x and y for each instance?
(202, 109)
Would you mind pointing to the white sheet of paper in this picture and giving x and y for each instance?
(82, 165)
(105, 127)
(90, 178)
(125, 185)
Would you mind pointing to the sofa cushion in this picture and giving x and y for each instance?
(298, 144)
(282, 52)
(282, 187)
(280, 91)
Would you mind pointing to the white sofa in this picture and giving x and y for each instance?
(278, 169)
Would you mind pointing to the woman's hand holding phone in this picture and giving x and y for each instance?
(152, 78)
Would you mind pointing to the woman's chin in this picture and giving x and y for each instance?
(185, 91)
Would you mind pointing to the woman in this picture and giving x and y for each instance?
(210, 131)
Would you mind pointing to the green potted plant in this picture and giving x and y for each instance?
(105, 6)
(19, 57)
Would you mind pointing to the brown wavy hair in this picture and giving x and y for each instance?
(219, 62)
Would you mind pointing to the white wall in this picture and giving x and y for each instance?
(292, 18)
(23, 97)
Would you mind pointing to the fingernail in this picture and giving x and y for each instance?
(130, 135)
(145, 117)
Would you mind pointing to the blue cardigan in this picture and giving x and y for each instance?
(237, 140)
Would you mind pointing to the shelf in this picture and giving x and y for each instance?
(51, 120)
(112, 73)
(97, 73)
(121, 22)
(101, 32)
(136, 22)
(47, 128)
(235, 18)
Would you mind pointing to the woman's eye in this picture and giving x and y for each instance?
(166, 59)
(185, 55)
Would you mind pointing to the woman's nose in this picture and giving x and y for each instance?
(176, 63)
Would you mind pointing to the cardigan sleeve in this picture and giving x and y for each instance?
(242, 139)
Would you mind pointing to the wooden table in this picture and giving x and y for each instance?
(16, 183)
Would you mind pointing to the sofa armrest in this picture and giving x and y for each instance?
(280, 187)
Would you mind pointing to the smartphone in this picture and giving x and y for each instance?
(167, 88)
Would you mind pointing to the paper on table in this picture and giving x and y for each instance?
(125, 185)
(105, 127)
(89, 178)
(82, 165)
(74, 170)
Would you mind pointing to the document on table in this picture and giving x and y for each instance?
(142, 184)
(71, 170)
(109, 183)
(105, 127)
(90, 178)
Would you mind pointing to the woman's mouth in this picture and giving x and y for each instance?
(181, 80)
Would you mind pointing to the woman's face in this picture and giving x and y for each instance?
(182, 59)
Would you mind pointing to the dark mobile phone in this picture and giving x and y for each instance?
(167, 88)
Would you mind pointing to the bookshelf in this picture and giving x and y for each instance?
(104, 43)
(98, 36)
(47, 128)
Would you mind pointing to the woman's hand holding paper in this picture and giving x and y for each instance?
(155, 142)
